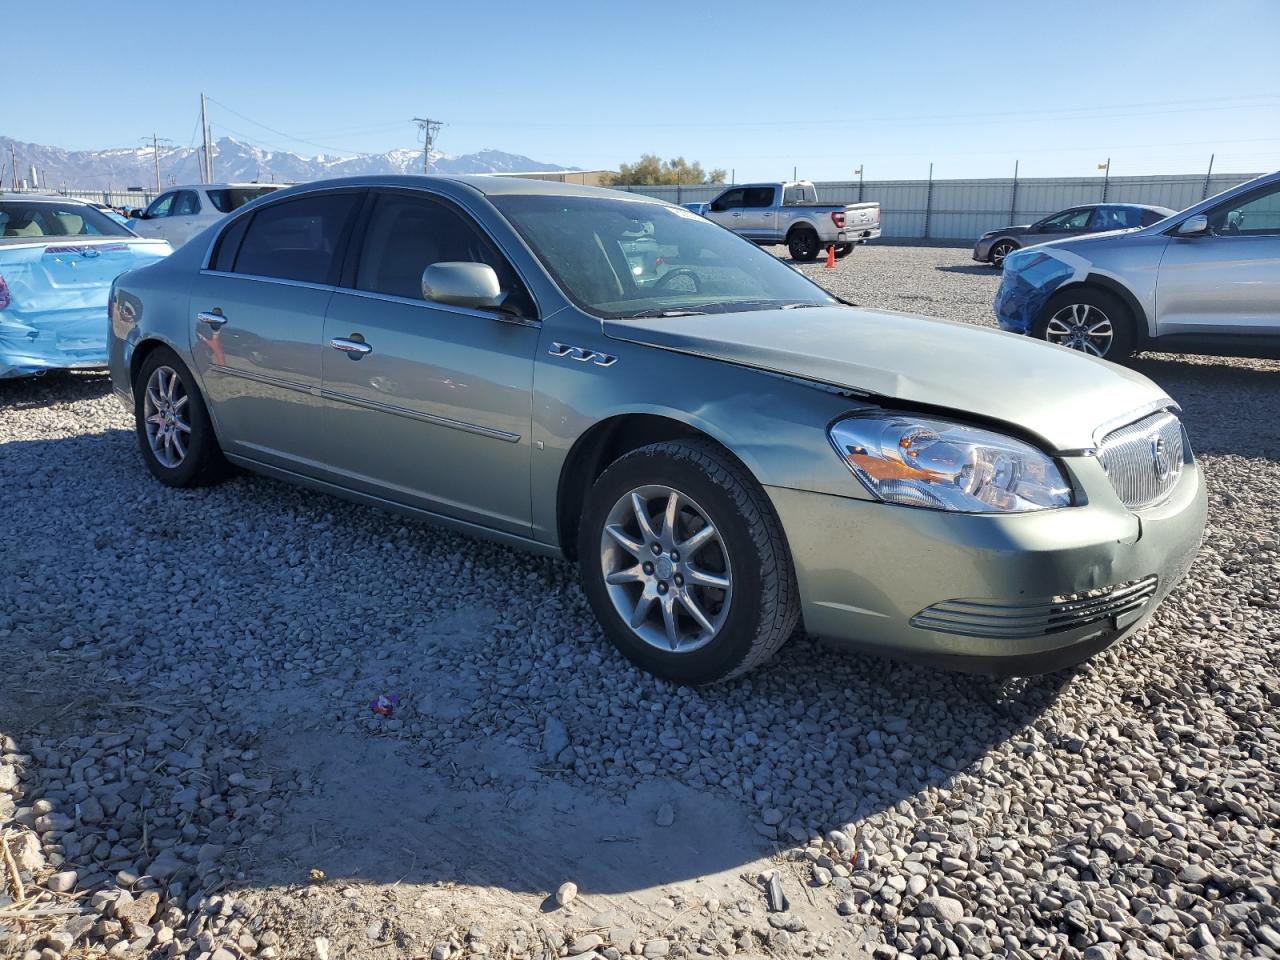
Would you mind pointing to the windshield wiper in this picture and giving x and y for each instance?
(663, 312)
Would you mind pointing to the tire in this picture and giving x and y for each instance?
(753, 617)
(843, 250)
(1084, 308)
(803, 245)
(999, 251)
(193, 458)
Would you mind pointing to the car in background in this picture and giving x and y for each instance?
(790, 213)
(1206, 280)
(994, 245)
(179, 214)
(724, 447)
(58, 259)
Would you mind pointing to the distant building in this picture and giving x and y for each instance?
(590, 178)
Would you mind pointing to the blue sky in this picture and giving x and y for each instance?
(754, 87)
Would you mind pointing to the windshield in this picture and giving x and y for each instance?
(53, 219)
(626, 258)
(233, 198)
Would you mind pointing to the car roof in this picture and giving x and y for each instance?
(476, 183)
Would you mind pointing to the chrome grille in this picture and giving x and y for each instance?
(1143, 460)
(996, 618)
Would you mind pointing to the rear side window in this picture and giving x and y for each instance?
(1152, 216)
(233, 198)
(298, 239)
(758, 196)
(1115, 218)
(224, 257)
(406, 234)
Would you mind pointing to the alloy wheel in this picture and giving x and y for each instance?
(999, 252)
(666, 568)
(164, 411)
(1081, 326)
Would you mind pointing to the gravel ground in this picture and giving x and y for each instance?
(189, 765)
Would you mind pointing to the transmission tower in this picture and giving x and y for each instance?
(428, 128)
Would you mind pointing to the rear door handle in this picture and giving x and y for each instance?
(212, 320)
(355, 349)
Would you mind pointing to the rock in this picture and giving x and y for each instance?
(656, 948)
(8, 778)
(943, 909)
(776, 899)
(566, 894)
(62, 882)
(846, 907)
(137, 912)
(25, 849)
(555, 738)
(772, 816)
(821, 876)
(222, 954)
(322, 948)
(666, 815)
(586, 944)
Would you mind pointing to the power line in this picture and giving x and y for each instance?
(281, 133)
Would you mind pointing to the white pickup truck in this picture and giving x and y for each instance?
(789, 212)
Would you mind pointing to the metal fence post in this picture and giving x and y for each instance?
(928, 203)
(1013, 199)
(1205, 192)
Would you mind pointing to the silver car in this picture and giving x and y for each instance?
(1206, 280)
(994, 245)
(724, 449)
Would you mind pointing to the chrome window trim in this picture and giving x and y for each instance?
(398, 411)
(447, 307)
(261, 279)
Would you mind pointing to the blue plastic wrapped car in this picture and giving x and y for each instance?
(58, 258)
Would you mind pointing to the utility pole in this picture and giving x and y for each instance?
(155, 153)
(13, 155)
(429, 128)
(206, 170)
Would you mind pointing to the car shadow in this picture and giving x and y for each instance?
(457, 786)
(972, 269)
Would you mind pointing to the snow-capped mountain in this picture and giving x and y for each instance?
(122, 167)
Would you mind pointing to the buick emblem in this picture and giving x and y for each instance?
(1160, 457)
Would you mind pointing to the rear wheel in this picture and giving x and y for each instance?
(1089, 320)
(803, 244)
(174, 431)
(843, 250)
(1001, 250)
(685, 564)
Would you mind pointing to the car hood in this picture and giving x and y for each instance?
(1015, 231)
(1061, 396)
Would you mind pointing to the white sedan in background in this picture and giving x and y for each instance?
(180, 213)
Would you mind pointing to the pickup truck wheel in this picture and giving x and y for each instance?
(1089, 320)
(174, 431)
(685, 564)
(843, 250)
(803, 245)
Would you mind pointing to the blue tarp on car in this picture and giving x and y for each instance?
(1030, 278)
(53, 299)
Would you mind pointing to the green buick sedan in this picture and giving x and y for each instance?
(727, 452)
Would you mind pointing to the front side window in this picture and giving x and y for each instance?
(298, 239)
(625, 258)
(406, 234)
(729, 200)
(1255, 214)
(1068, 220)
(758, 197)
(226, 199)
(19, 219)
(187, 204)
(160, 206)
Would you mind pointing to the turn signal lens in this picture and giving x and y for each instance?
(943, 465)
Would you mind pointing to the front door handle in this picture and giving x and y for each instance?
(213, 320)
(355, 349)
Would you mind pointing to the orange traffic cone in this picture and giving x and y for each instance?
(831, 255)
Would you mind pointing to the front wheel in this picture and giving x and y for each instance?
(803, 245)
(174, 431)
(1001, 250)
(685, 564)
(1089, 320)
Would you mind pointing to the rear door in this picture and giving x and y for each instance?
(1227, 281)
(435, 408)
(257, 314)
(759, 220)
(727, 209)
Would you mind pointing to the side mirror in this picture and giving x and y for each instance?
(1196, 226)
(472, 285)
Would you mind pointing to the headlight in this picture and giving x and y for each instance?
(924, 462)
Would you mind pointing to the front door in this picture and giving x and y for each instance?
(759, 217)
(727, 209)
(1069, 223)
(432, 407)
(1226, 281)
(257, 315)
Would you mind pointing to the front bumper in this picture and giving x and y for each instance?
(982, 249)
(866, 569)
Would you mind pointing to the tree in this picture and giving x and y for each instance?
(650, 169)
